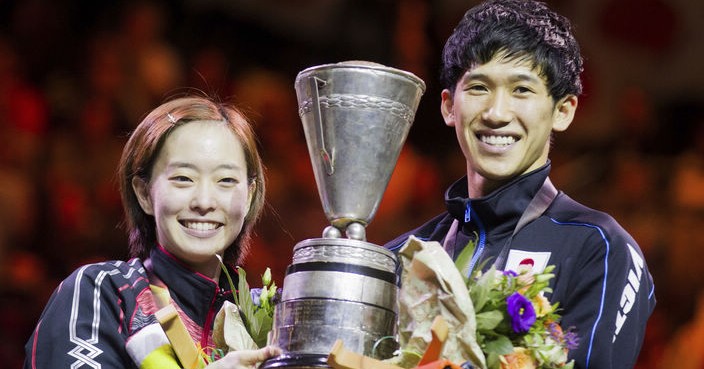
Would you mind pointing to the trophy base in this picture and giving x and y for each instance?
(337, 289)
(294, 360)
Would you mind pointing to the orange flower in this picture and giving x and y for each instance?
(542, 305)
(519, 359)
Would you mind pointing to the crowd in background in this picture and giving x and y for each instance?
(77, 76)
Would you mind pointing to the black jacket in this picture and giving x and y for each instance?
(96, 311)
(602, 282)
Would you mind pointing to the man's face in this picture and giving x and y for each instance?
(503, 116)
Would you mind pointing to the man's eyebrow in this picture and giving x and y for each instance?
(524, 77)
(472, 75)
(513, 78)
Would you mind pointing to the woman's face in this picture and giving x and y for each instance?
(198, 193)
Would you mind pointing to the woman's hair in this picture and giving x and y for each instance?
(516, 29)
(144, 145)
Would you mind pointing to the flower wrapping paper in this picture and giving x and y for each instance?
(433, 286)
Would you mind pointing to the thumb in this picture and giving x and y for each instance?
(251, 357)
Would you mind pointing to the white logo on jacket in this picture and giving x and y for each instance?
(537, 260)
(628, 296)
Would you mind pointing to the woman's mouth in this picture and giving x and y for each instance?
(201, 226)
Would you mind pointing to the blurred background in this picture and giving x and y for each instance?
(76, 76)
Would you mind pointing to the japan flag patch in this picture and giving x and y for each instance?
(537, 260)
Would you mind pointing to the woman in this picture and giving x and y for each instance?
(192, 186)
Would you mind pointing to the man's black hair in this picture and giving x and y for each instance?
(518, 29)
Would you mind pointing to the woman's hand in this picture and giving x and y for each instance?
(245, 359)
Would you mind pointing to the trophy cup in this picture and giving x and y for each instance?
(356, 116)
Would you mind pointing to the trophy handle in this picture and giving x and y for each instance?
(315, 83)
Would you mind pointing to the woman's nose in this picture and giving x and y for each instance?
(203, 199)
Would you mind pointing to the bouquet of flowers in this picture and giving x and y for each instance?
(517, 327)
(242, 325)
(497, 319)
(246, 323)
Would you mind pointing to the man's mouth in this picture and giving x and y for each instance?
(200, 226)
(497, 140)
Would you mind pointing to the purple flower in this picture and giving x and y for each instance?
(255, 293)
(521, 312)
(567, 338)
(571, 339)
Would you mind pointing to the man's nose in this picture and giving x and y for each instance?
(498, 109)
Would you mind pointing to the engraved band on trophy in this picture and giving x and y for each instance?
(356, 116)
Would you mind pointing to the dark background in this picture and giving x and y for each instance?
(77, 76)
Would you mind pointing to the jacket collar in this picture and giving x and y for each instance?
(194, 292)
(499, 211)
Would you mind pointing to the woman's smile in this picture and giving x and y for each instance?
(200, 225)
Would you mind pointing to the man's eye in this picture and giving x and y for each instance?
(523, 90)
(476, 88)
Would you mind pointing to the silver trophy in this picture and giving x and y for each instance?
(356, 116)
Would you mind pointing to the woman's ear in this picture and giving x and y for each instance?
(141, 190)
(446, 107)
(564, 113)
(250, 195)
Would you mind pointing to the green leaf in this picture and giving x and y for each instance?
(492, 361)
(257, 321)
(244, 300)
(261, 325)
(489, 320)
(464, 258)
(481, 290)
(500, 346)
(227, 274)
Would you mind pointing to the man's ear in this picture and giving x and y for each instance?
(141, 190)
(446, 107)
(564, 113)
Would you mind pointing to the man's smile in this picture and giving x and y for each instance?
(497, 140)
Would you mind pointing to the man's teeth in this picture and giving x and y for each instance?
(201, 226)
(498, 140)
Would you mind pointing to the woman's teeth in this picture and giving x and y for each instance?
(201, 226)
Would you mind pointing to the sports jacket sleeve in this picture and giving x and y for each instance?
(82, 326)
(609, 299)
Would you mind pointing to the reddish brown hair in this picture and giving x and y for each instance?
(144, 145)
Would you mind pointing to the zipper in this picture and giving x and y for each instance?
(207, 327)
(470, 214)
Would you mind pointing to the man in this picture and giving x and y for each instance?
(510, 73)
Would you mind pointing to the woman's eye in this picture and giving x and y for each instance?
(181, 179)
(229, 180)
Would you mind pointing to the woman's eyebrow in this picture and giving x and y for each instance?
(187, 165)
